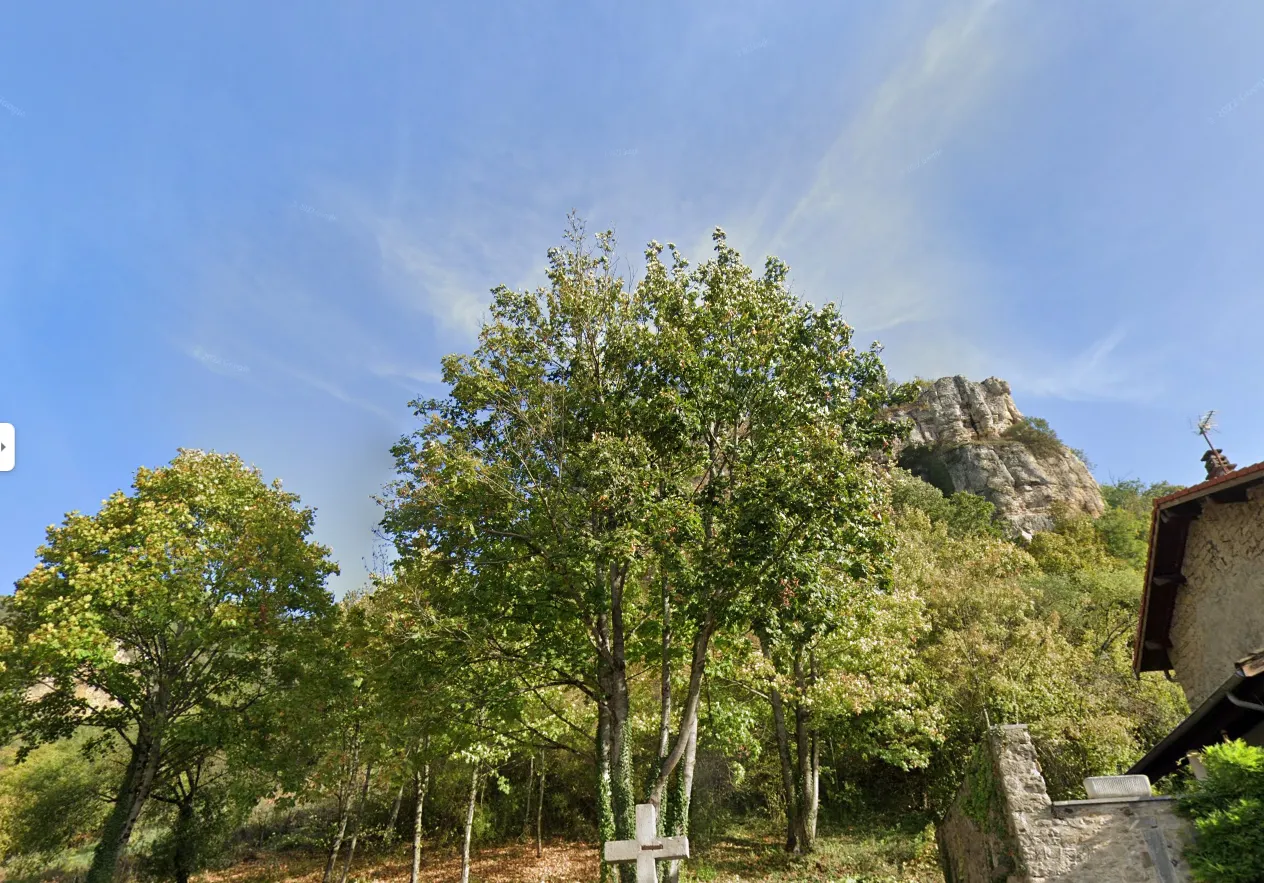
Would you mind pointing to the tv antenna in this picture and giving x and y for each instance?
(1217, 464)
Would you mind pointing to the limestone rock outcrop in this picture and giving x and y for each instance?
(968, 436)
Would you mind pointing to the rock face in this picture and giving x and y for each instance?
(968, 436)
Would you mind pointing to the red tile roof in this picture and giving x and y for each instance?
(1207, 486)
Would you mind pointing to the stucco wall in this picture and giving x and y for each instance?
(1219, 612)
(1003, 828)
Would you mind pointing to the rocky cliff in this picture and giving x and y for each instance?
(968, 436)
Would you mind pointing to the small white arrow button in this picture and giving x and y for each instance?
(6, 447)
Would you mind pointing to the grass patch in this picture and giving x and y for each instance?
(854, 854)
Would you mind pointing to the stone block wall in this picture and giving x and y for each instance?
(1003, 828)
(1219, 613)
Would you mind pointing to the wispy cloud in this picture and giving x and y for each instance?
(862, 230)
(436, 286)
(334, 390)
(1099, 372)
(216, 363)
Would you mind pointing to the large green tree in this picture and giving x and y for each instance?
(622, 470)
(162, 620)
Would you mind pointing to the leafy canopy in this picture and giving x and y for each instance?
(1228, 813)
(180, 600)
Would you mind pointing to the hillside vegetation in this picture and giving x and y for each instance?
(649, 547)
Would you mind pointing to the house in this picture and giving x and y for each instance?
(1202, 623)
(1202, 611)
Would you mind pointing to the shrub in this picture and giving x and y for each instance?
(1036, 435)
(964, 514)
(202, 839)
(1228, 813)
(48, 801)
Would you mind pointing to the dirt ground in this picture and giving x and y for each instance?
(516, 863)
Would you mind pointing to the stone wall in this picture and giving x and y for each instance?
(1003, 828)
(1219, 613)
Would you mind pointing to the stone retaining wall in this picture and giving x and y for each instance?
(1003, 828)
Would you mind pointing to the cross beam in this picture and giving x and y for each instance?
(648, 847)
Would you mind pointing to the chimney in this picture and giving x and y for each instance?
(1217, 464)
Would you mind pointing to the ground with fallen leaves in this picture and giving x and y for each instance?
(515, 863)
(844, 857)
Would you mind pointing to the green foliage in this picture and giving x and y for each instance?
(1037, 637)
(170, 619)
(1036, 435)
(632, 492)
(1135, 497)
(49, 801)
(691, 453)
(963, 514)
(1073, 544)
(205, 833)
(1125, 526)
(1228, 812)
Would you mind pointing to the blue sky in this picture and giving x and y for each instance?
(257, 227)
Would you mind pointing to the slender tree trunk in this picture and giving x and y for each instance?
(806, 785)
(391, 823)
(816, 785)
(684, 799)
(664, 681)
(137, 783)
(359, 820)
(421, 783)
(526, 815)
(469, 827)
(185, 858)
(783, 752)
(605, 804)
(689, 714)
(344, 810)
(613, 683)
(539, 814)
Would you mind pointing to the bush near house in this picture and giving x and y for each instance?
(1227, 809)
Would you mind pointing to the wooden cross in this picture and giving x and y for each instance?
(648, 847)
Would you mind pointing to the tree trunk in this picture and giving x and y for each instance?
(469, 827)
(806, 784)
(137, 783)
(526, 815)
(684, 797)
(539, 814)
(622, 795)
(613, 683)
(391, 822)
(689, 714)
(359, 816)
(605, 805)
(185, 858)
(783, 753)
(816, 785)
(344, 811)
(664, 682)
(421, 783)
